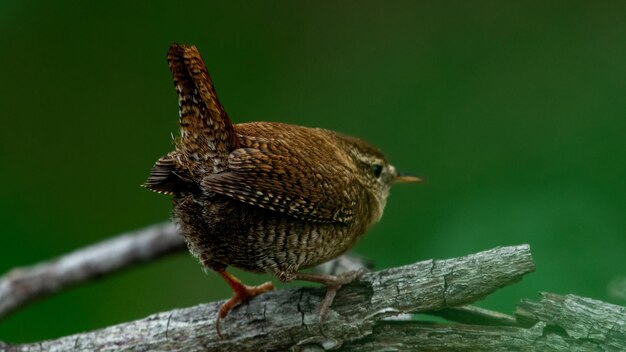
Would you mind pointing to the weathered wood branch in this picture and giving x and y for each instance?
(288, 319)
(556, 323)
(359, 320)
(24, 285)
(606, 332)
(593, 325)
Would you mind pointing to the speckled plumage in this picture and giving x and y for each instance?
(262, 196)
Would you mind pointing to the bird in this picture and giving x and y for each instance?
(266, 197)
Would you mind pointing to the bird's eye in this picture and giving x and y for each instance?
(377, 169)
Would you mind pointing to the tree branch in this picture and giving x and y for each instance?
(287, 319)
(24, 285)
(596, 325)
(605, 332)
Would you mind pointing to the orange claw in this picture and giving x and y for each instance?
(241, 293)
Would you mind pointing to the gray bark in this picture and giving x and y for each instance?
(24, 285)
(595, 325)
(556, 323)
(288, 319)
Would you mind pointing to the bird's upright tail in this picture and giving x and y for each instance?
(207, 134)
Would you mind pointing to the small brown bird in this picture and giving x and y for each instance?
(266, 197)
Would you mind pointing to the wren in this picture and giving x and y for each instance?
(265, 197)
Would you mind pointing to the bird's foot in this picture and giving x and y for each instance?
(333, 284)
(241, 293)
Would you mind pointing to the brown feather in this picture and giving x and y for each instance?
(207, 133)
(297, 172)
(162, 178)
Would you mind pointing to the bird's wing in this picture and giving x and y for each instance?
(274, 179)
(206, 130)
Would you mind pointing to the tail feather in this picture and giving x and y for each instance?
(207, 134)
(163, 177)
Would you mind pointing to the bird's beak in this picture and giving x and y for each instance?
(404, 178)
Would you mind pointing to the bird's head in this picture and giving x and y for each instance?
(374, 172)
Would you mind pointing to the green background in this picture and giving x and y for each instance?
(514, 113)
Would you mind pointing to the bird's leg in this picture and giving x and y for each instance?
(241, 293)
(333, 284)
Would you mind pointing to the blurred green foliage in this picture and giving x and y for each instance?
(514, 112)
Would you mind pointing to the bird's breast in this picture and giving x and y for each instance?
(221, 231)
